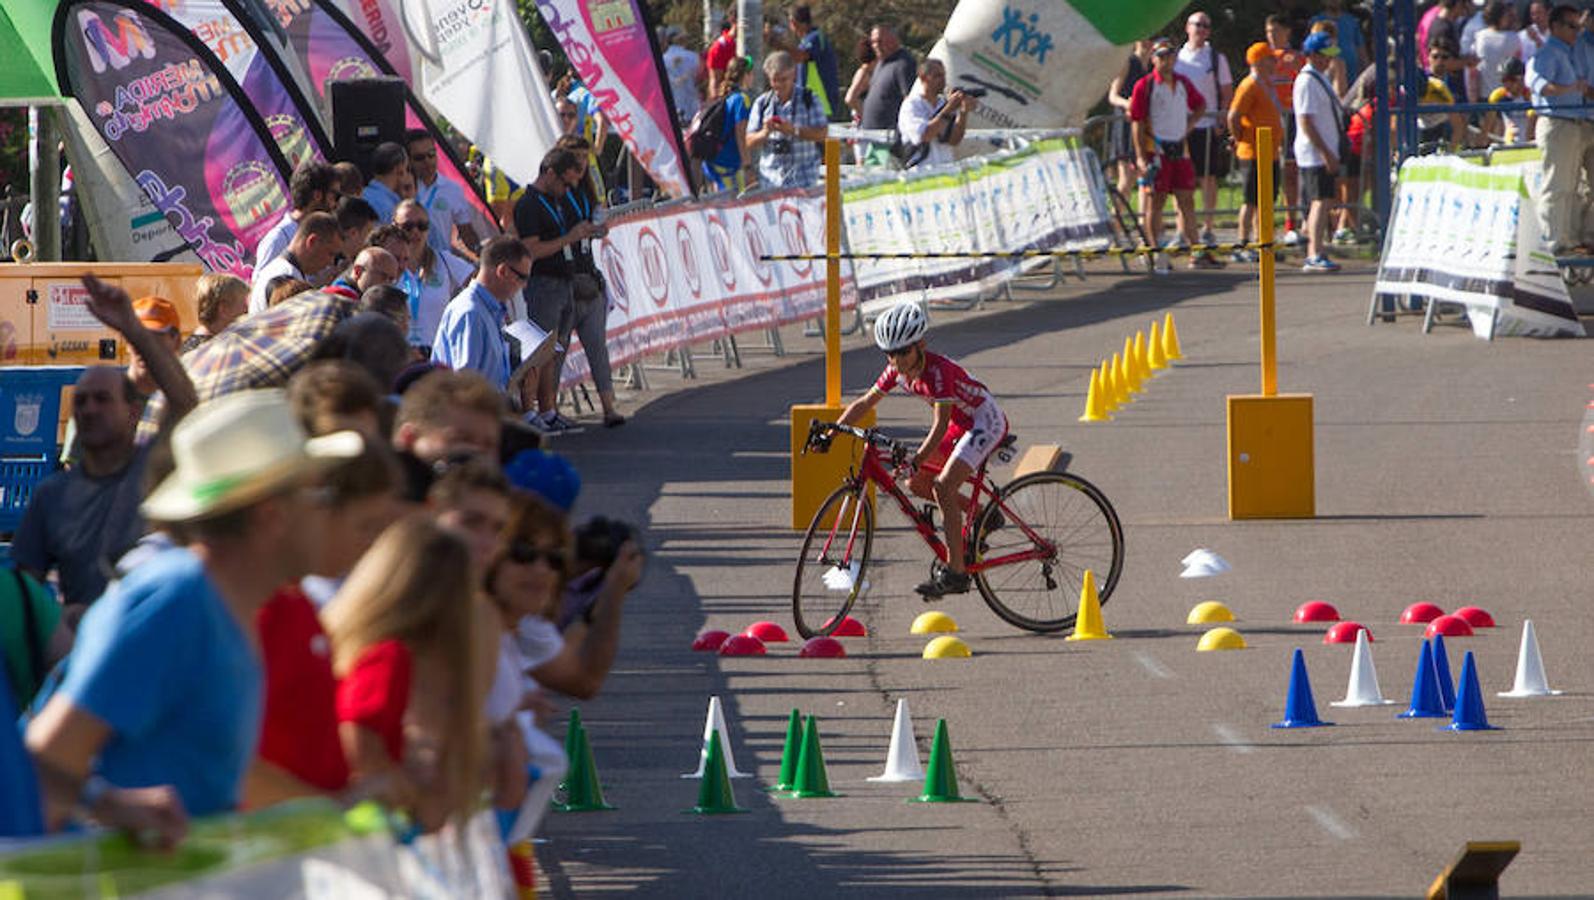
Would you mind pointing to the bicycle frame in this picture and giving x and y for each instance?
(873, 471)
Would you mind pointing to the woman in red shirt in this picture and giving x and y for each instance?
(407, 633)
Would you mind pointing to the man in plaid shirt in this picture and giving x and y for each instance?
(787, 125)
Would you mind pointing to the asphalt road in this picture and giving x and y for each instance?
(1447, 470)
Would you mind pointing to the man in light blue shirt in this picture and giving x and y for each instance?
(471, 334)
(389, 164)
(1562, 133)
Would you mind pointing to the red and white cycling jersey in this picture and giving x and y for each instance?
(942, 381)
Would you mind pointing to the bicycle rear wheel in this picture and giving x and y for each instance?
(834, 561)
(1076, 520)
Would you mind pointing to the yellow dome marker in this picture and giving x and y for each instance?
(933, 622)
(946, 647)
(1221, 639)
(1209, 612)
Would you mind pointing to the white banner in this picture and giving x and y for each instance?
(472, 62)
(686, 274)
(1469, 234)
(1047, 196)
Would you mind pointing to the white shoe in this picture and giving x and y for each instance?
(1292, 238)
(1160, 266)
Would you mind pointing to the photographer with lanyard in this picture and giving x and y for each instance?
(588, 288)
(553, 236)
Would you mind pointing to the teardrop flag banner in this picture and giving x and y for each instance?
(178, 122)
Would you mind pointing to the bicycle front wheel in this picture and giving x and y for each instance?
(834, 561)
(1077, 530)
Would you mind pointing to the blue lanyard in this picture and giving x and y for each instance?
(552, 209)
(583, 209)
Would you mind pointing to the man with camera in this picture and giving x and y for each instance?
(930, 124)
(786, 125)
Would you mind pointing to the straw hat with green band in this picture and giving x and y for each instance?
(238, 449)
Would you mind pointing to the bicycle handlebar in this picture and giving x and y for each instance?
(820, 434)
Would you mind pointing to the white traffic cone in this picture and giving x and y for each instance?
(902, 760)
(1363, 687)
(1530, 680)
(715, 721)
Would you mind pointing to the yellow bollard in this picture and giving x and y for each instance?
(1270, 452)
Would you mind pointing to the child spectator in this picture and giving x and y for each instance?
(222, 300)
(406, 643)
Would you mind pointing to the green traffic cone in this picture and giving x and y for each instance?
(581, 789)
(714, 796)
(941, 777)
(811, 780)
(789, 753)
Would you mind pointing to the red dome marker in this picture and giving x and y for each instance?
(1449, 626)
(742, 645)
(822, 648)
(768, 632)
(710, 640)
(1345, 633)
(1317, 611)
(849, 627)
(1475, 617)
(1420, 614)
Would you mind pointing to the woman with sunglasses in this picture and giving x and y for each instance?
(436, 276)
(967, 427)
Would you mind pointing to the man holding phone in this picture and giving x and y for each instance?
(930, 124)
(786, 125)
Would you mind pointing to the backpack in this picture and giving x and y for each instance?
(705, 137)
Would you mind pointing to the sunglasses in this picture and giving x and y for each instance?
(523, 276)
(567, 115)
(428, 155)
(1204, 26)
(422, 225)
(898, 354)
(526, 553)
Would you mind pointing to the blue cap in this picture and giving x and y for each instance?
(1321, 42)
(548, 475)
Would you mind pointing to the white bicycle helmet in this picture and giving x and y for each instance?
(900, 326)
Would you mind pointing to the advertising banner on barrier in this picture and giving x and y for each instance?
(688, 274)
(468, 59)
(1029, 56)
(609, 44)
(1046, 196)
(179, 123)
(228, 33)
(1467, 234)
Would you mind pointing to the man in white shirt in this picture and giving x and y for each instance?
(314, 246)
(453, 220)
(1317, 141)
(1208, 70)
(313, 187)
(929, 123)
(685, 70)
(1163, 108)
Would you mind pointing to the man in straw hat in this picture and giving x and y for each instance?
(159, 712)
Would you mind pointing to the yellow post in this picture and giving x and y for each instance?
(833, 272)
(1264, 206)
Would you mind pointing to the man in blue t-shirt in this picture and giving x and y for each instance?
(158, 715)
(816, 63)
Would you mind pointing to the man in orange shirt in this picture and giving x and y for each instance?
(1287, 64)
(1255, 105)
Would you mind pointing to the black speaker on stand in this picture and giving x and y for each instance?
(365, 112)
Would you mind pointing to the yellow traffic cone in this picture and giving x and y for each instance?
(1094, 410)
(1120, 384)
(1109, 390)
(1129, 370)
(1170, 339)
(1142, 361)
(1089, 627)
(1155, 356)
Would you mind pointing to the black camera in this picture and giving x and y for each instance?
(598, 541)
(976, 93)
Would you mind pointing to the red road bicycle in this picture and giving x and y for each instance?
(1028, 543)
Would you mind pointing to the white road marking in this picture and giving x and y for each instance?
(1330, 822)
(1231, 737)
(1150, 664)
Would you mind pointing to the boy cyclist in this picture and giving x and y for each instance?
(967, 427)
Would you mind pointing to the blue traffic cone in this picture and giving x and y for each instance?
(1469, 714)
(1299, 710)
(1425, 700)
(1441, 667)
